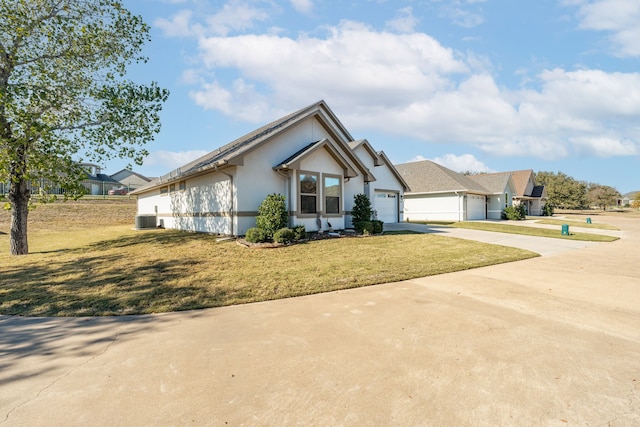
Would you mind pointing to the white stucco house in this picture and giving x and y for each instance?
(532, 196)
(307, 156)
(502, 190)
(440, 194)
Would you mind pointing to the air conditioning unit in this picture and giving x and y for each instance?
(145, 222)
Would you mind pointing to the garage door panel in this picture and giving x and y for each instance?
(386, 206)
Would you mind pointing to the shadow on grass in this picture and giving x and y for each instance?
(98, 280)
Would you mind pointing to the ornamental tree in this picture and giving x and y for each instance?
(64, 97)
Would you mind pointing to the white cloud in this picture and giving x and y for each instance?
(411, 86)
(170, 160)
(179, 25)
(462, 14)
(461, 164)
(620, 18)
(234, 16)
(302, 6)
(352, 63)
(405, 22)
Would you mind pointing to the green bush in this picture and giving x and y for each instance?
(378, 226)
(364, 227)
(284, 235)
(256, 235)
(299, 232)
(547, 210)
(514, 213)
(272, 214)
(361, 209)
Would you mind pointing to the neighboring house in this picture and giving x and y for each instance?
(307, 156)
(440, 194)
(96, 182)
(502, 190)
(627, 199)
(532, 196)
(130, 180)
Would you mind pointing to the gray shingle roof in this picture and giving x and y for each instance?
(493, 182)
(429, 177)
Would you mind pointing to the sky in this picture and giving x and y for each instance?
(474, 85)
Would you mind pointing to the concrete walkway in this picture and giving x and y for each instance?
(542, 245)
(553, 340)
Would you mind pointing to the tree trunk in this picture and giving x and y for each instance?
(19, 196)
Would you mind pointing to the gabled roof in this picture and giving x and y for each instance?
(377, 161)
(393, 170)
(495, 183)
(293, 162)
(130, 172)
(233, 153)
(521, 179)
(429, 177)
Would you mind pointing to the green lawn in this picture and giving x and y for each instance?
(533, 231)
(580, 224)
(114, 270)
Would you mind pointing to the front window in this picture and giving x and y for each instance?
(308, 193)
(332, 193)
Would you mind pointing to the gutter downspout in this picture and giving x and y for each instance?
(459, 210)
(232, 195)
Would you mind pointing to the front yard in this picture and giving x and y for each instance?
(82, 270)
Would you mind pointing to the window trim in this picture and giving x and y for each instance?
(317, 195)
(340, 196)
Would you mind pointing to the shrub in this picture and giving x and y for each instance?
(272, 214)
(256, 235)
(361, 209)
(547, 210)
(364, 227)
(378, 226)
(299, 232)
(514, 213)
(284, 235)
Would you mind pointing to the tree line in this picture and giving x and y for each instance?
(565, 192)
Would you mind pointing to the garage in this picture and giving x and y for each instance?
(476, 207)
(386, 206)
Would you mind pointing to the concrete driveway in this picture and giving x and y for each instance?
(553, 340)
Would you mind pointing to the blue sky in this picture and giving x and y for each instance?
(480, 85)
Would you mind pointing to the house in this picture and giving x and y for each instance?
(532, 196)
(502, 190)
(130, 180)
(97, 183)
(627, 199)
(440, 194)
(307, 156)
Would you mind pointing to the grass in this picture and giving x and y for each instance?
(582, 224)
(86, 260)
(533, 231)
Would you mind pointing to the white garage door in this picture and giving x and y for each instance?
(386, 206)
(475, 207)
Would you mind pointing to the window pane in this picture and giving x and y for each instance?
(307, 204)
(331, 186)
(308, 184)
(332, 204)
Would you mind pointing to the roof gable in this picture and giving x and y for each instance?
(293, 162)
(495, 183)
(429, 177)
